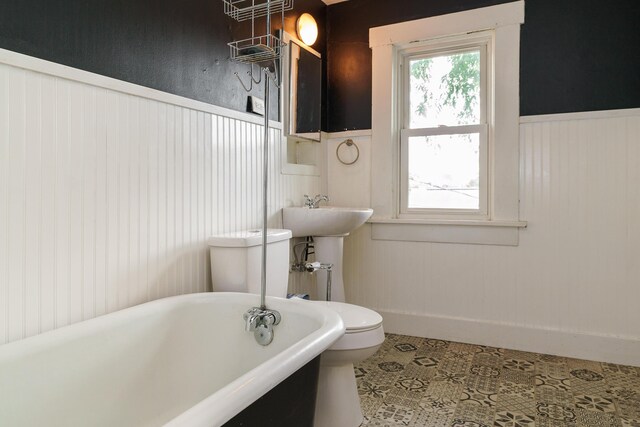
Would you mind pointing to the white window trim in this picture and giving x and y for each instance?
(386, 42)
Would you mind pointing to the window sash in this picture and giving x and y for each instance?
(482, 211)
(474, 42)
(412, 54)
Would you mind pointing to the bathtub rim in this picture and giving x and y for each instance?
(242, 391)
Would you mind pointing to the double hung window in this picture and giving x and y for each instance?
(444, 127)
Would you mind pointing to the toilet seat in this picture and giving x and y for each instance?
(363, 326)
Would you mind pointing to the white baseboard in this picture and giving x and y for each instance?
(603, 348)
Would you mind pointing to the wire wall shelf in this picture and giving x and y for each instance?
(241, 10)
(256, 50)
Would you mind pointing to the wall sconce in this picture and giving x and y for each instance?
(307, 29)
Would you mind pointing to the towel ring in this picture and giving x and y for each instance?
(349, 143)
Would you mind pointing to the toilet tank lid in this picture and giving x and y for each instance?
(248, 238)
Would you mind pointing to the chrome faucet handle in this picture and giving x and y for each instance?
(308, 202)
(320, 198)
(251, 318)
(272, 317)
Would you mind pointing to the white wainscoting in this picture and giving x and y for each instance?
(109, 190)
(571, 287)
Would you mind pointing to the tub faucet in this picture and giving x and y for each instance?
(313, 203)
(261, 321)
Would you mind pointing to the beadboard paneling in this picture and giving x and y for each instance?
(107, 198)
(575, 273)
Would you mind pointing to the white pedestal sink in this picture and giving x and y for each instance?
(328, 226)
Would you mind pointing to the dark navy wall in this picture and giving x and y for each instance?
(576, 55)
(176, 46)
(579, 55)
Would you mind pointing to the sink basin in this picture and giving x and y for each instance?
(323, 221)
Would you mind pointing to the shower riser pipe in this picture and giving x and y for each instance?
(265, 189)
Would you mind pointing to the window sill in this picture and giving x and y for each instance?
(475, 232)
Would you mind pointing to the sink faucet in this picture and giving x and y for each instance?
(313, 203)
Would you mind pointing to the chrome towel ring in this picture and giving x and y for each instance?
(349, 143)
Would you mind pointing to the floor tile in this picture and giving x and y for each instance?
(485, 381)
(375, 391)
(519, 377)
(523, 355)
(519, 365)
(479, 397)
(553, 395)
(553, 382)
(444, 390)
(431, 419)
(513, 419)
(515, 403)
(524, 391)
(438, 405)
(474, 412)
(488, 359)
(596, 419)
(587, 375)
(449, 377)
(418, 371)
(629, 408)
(594, 403)
(423, 382)
(555, 411)
(394, 414)
(499, 352)
(403, 398)
(630, 422)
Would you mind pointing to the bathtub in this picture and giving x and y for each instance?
(183, 360)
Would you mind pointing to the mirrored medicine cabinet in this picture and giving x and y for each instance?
(300, 95)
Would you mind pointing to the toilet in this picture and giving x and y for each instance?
(337, 401)
(235, 267)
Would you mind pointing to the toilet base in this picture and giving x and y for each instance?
(337, 401)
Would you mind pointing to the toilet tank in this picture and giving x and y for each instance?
(236, 261)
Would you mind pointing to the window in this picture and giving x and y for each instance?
(445, 127)
(444, 133)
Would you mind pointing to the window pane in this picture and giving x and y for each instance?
(445, 90)
(444, 172)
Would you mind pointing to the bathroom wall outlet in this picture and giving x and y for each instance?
(255, 105)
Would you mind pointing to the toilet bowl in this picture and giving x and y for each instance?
(337, 401)
(235, 267)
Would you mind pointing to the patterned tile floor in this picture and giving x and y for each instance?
(414, 381)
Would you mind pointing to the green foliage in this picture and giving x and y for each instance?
(462, 82)
(459, 86)
(421, 71)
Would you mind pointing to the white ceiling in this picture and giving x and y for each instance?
(328, 2)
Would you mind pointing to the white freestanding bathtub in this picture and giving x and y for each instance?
(183, 360)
